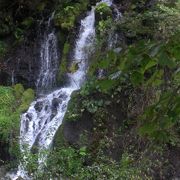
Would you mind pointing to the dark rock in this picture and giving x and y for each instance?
(5, 78)
(4, 152)
(29, 116)
(62, 96)
(74, 129)
(38, 106)
(2, 171)
(20, 178)
(27, 125)
(55, 103)
(46, 107)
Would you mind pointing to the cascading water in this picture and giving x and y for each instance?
(49, 62)
(48, 59)
(44, 116)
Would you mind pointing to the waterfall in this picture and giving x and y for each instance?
(48, 59)
(48, 62)
(12, 78)
(44, 116)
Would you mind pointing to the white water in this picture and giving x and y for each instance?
(48, 59)
(48, 62)
(44, 116)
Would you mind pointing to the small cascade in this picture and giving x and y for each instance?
(44, 116)
(12, 78)
(48, 60)
(114, 36)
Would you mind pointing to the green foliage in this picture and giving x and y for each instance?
(157, 22)
(74, 112)
(27, 98)
(65, 162)
(19, 34)
(11, 102)
(73, 68)
(6, 23)
(6, 112)
(148, 63)
(63, 67)
(92, 105)
(27, 22)
(145, 65)
(9, 122)
(66, 15)
(160, 119)
(19, 89)
(104, 27)
(103, 11)
(2, 48)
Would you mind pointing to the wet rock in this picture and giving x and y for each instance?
(20, 178)
(46, 107)
(2, 171)
(27, 125)
(62, 96)
(55, 103)
(38, 106)
(29, 116)
(74, 129)
(4, 78)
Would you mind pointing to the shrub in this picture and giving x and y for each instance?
(19, 89)
(103, 11)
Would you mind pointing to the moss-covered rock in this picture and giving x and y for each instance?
(103, 11)
(19, 90)
(27, 97)
(66, 15)
(63, 67)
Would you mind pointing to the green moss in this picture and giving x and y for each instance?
(9, 121)
(13, 101)
(27, 97)
(73, 68)
(59, 140)
(63, 69)
(18, 89)
(27, 22)
(74, 108)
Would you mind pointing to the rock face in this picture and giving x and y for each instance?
(21, 65)
(74, 129)
(21, 23)
(3, 152)
(2, 171)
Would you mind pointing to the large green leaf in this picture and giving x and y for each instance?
(155, 50)
(166, 60)
(106, 84)
(155, 79)
(137, 78)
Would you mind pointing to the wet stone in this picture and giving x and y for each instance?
(29, 116)
(27, 125)
(38, 106)
(55, 103)
(46, 107)
(64, 107)
(63, 96)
